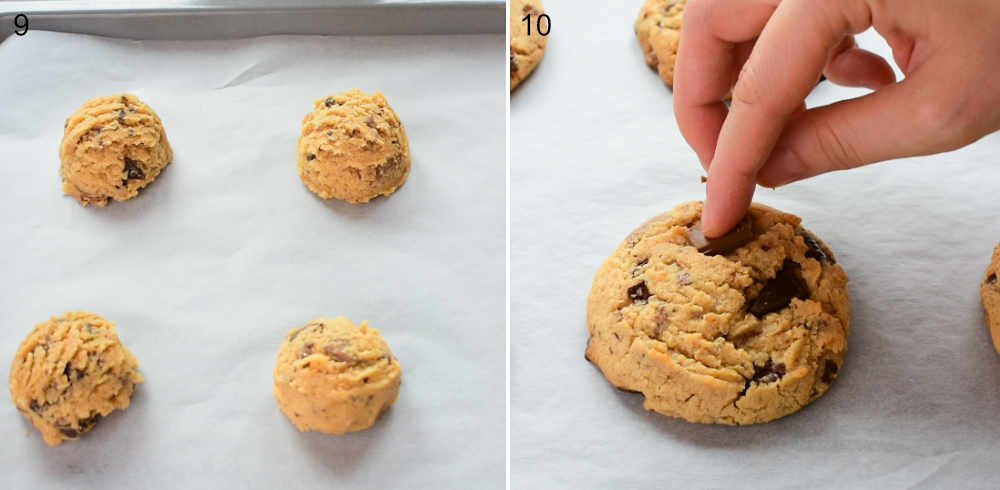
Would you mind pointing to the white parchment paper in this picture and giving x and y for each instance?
(227, 250)
(596, 151)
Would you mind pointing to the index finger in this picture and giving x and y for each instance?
(781, 71)
(708, 62)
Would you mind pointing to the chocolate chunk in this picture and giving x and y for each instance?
(992, 279)
(132, 169)
(89, 423)
(307, 350)
(35, 407)
(816, 250)
(769, 372)
(639, 293)
(385, 168)
(336, 351)
(778, 292)
(69, 432)
(330, 102)
(704, 179)
(736, 238)
(513, 62)
(642, 262)
(829, 371)
(310, 157)
(72, 373)
(121, 117)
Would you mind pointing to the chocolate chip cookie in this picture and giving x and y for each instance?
(69, 372)
(335, 377)
(659, 31)
(525, 50)
(112, 147)
(353, 147)
(741, 329)
(991, 298)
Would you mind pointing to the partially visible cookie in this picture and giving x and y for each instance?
(525, 51)
(112, 147)
(659, 31)
(991, 298)
(353, 147)
(69, 372)
(335, 377)
(740, 329)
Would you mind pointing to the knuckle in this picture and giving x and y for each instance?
(748, 91)
(834, 147)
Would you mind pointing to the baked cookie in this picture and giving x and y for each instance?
(525, 51)
(991, 298)
(659, 32)
(741, 329)
(111, 148)
(353, 147)
(69, 372)
(335, 377)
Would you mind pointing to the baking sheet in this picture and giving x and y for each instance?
(596, 151)
(226, 251)
(226, 19)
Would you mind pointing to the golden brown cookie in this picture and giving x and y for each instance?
(659, 31)
(112, 147)
(991, 298)
(353, 147)
(335, 377)
(741, 329)
(525, 50)
(69, 372)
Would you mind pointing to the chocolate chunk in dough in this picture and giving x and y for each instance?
(778, 292)
(736, 238)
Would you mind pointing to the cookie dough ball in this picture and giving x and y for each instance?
(525, 51)
(112, 147)
(991, 298)
(741, 329)
(353, 147)
(659, 32)
(335, 377)
(69, 372)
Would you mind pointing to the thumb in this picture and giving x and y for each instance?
(900, 120)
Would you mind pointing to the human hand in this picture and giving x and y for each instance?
(950, 54)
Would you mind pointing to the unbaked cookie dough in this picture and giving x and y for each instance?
(69, 372)
(741, 329)
(112, 147)
(659, 31)
(353, 147)
(525, 51)
(991, 298)
(335, 377)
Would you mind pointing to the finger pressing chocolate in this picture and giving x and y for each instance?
(736, 238)
(778, 292)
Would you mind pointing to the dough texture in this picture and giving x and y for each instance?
(112, 147)
(751, 333)
(353, 147)
(335, 377)
(525, 51)
(69, 372)
(991, 298)
(659, 32)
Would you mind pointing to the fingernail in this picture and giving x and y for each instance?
(784, 168)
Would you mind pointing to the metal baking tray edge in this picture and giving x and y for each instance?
(229, 19)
